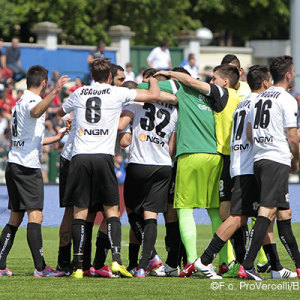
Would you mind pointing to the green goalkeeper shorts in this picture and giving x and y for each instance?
(197, 180)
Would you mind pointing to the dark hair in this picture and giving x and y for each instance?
(191, 55)
(101, 44)
(114, 69)
(149, 72)
(231, 59)
(230, 72)
(279, 66)
(130, 84)
(35, 75)
(181, 69)
(100, 69)
(256, 75)
(164, 44)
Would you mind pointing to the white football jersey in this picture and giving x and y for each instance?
(241, 156)
(97, 111)
(273, 111)
(27, 132)
(152, 127)
(68, 146)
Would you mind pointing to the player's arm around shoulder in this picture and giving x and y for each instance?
(151, 95)
(188, 80)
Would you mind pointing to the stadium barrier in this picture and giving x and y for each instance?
(53, 213)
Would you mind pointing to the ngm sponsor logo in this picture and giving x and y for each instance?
(93, 132)
(147, 138)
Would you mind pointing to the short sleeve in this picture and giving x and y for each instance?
(126, 94)
(130, 107)
(32, 103)
(68, 106)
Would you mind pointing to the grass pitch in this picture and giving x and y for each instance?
(25, 286)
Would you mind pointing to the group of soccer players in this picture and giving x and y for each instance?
(226, 146)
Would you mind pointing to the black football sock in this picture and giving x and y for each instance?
(256, 238)
(102, 248)
(64, 255)
(78, 234)
(239, 242)
(287, 238)
(172, 241)
(137, 224)
(6, 242)
(88, 245)
(182, 255)
(35, 242)
(214, 247)
(133, 254)
(114, 235)
(150, 234)
(272, 255)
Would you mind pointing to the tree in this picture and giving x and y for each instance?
(87, 21)
(245, 20)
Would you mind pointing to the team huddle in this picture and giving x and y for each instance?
(226, 146)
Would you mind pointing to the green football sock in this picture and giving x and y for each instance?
(188, 232)
(226, 255)
(261, 256)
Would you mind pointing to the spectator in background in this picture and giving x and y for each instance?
(160, 58)
(139, 78)
(53, 108)
(98, 53)
(129, 74)
(120, 168)
(78, 84)
(5, 72)
(11, 60)
(10, 90)
(191, 66)
(207, 74)
(2, 85)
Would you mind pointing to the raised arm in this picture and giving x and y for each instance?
(188, 80)
(42, 106)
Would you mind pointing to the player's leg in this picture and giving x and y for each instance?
(272, 195)
(65, 241)
(287, 237)
(7, 239)
(114, 234)
(172, 239)
(79, 237)
(148, 242)
(89, 224)
(102, 245)
(34, 238)
(263, 264)
(156, 201)
(226, 256)
(65, 229)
